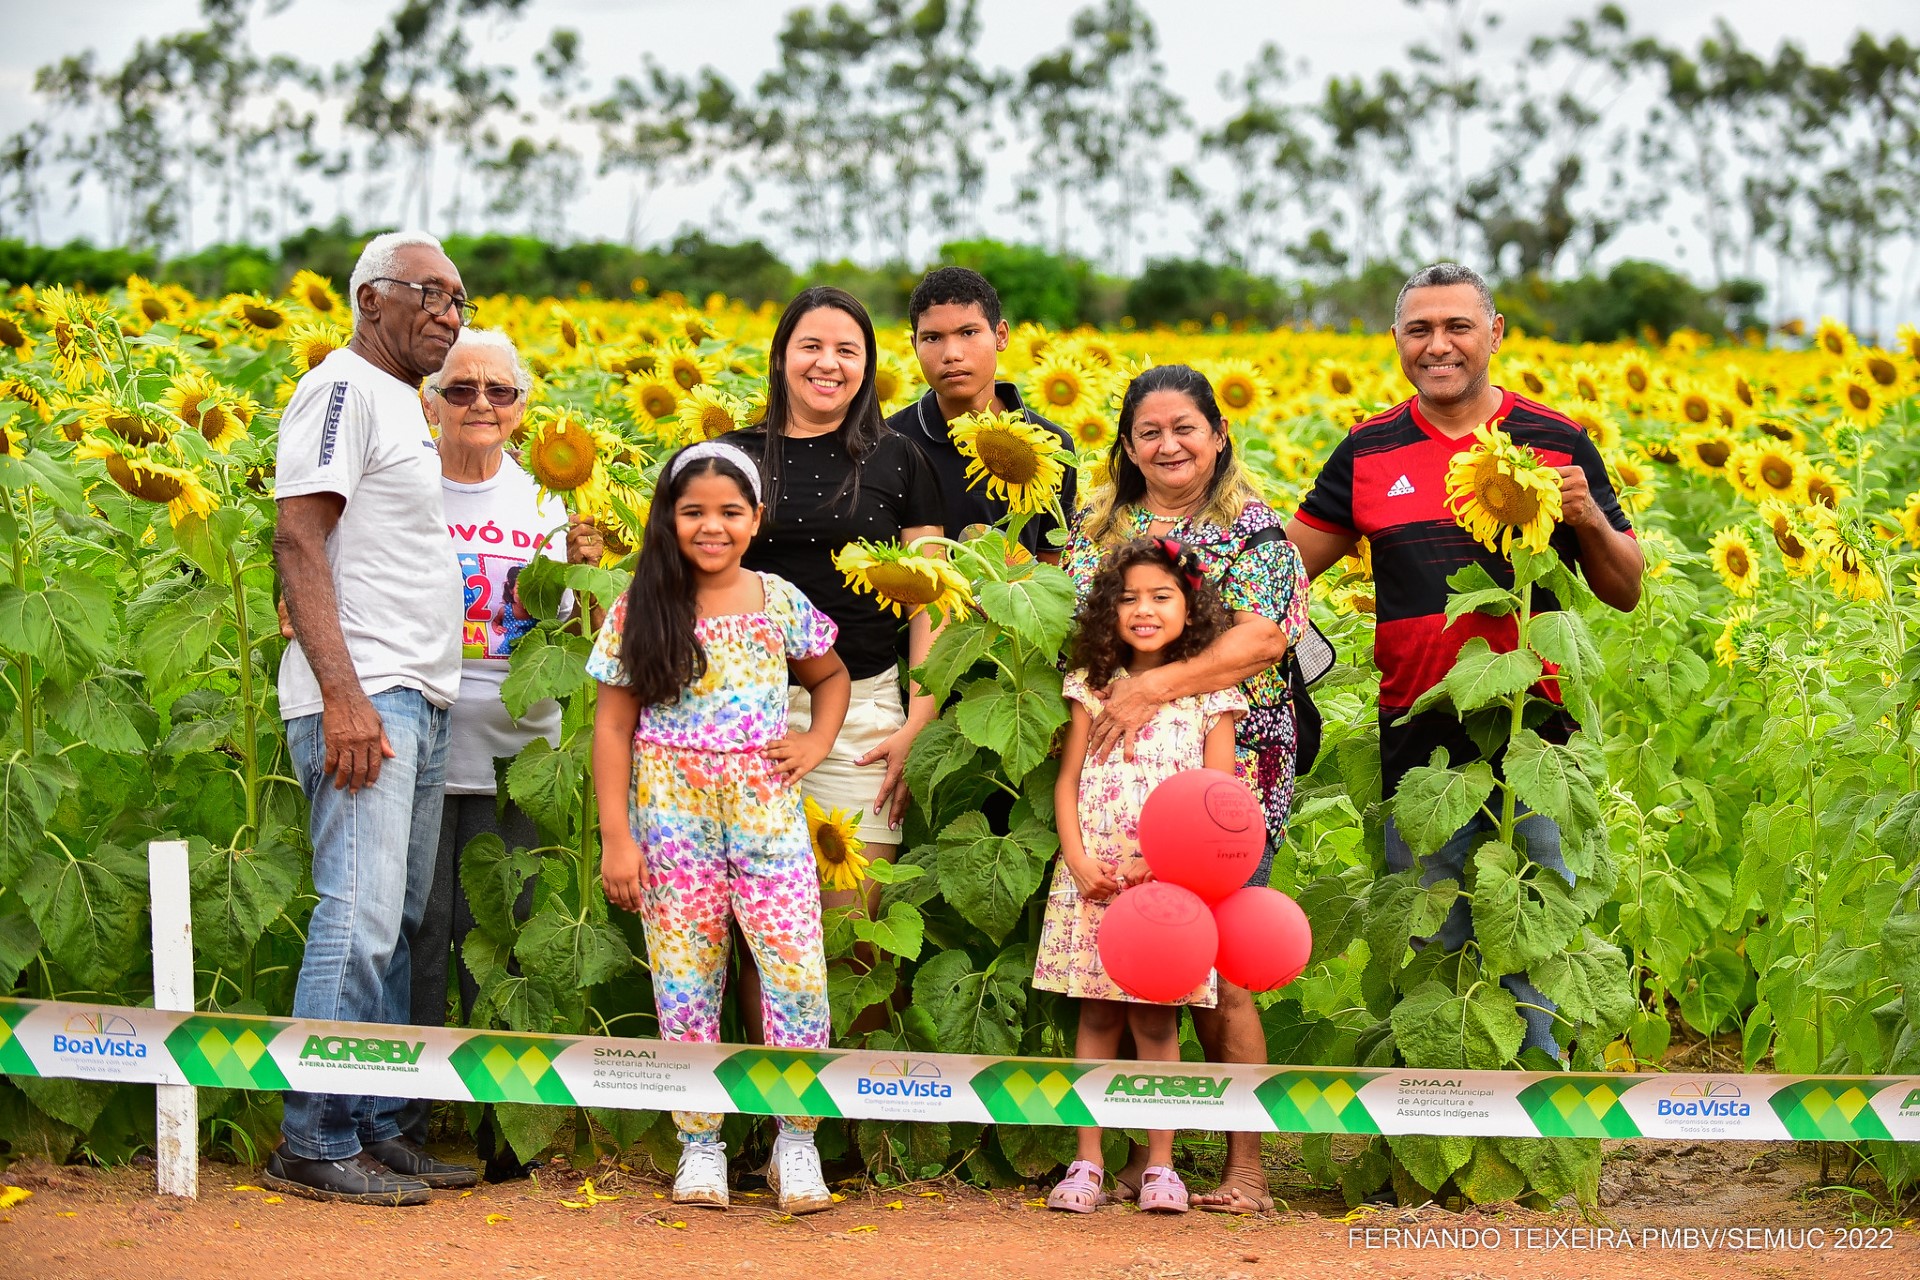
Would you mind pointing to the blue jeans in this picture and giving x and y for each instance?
(1539, 842)
(373, 860)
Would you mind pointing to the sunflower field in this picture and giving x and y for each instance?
(1747, 781)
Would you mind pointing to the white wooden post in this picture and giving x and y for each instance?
(176, 1106)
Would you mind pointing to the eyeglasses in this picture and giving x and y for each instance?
(435, 301)
(462, 395)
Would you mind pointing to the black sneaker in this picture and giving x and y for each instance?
(409, 1159)
(359, 1179)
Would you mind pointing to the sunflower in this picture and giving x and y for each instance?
(1834, 338)
(260, 316)
(1060, 385)
(1733, 561)
(26, 393)
(1241, 387)
(1336, 378)
(1019, 461)
(1693, 406)
(836, 845)
(1528, 377)
(14, 336)
(147, 304)
(892, 384)
(1845, 548)
(313, 343)
(1705, 451)
(1633, 481)
(1588, 383)
(1740, 389)
(1091, 430)
(709, 413)
(150, 480)
(1881, 369)
(1909, 339)
(904, 581)
(560, 452)
(1785, 432)
(652, 397)
(1500, 492)
(220, 414)
(1726, 649)
(70, 316)
(632, 362)
(1909, 518)
(1824, 486)
(1353, 598)
(137, 426)
(1634, 372)
(314, 292)
(1859, 396)
(685, 366)
(1767, 470)
(1600, 429)
(696, 326)
(567, 328)
(12, 442)
(1794, 551)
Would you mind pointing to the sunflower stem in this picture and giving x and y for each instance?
(27, 688)
(1518, 718)
(249, 709)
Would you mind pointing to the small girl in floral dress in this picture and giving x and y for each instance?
(701, 824)
(1149, 605)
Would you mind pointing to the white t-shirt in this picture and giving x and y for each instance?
(353, 429)
(497, 526)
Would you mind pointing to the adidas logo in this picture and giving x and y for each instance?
(1401, 488)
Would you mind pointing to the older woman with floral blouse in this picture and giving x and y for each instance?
(1174, 475)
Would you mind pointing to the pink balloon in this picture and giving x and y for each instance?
(1203, 830)
(1157, 941)
(1264, 938)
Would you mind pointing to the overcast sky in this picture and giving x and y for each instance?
(1200, 39)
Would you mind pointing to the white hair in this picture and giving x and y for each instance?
(491, 340)
(381, 258)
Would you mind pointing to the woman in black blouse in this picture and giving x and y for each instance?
(833, 474)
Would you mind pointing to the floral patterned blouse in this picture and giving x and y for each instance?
(1267, 578)
(740, 704)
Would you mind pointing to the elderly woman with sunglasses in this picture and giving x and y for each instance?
(499, 522)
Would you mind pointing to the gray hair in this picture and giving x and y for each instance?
(380, 258)
(1441, 274)
(491, 340)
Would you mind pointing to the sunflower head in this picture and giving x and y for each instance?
(147, 478)
(904, 581)
(220, 414)
(14, 336)
(1500, 493)
(26, 393)
(686, 367)
(314, 292)
(1060, 384)
(1768, 470)
(1834, 339)
(652, 397)
(1787, 535)
(709, 413)
(560, 452)
(1737, 636)
(1241, 387)
(1020, 462)
(262, 317)
(313, 343)
(836, 845)
(138, 425)
(1734, 561)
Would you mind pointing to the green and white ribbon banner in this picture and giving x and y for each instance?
(105, 1042)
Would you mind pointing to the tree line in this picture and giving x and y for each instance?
(871, 136)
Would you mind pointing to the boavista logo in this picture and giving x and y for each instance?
(397, 1053)
(1146, 1086)
(1713, 1099)
(99, 1035)
(903, 1078)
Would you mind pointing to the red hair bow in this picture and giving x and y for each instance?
(1185, 562)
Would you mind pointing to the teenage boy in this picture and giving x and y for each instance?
(958, 335)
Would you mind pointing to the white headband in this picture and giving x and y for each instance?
(718, 449)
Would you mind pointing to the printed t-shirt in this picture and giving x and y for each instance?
(970, 504)
(740, 704)
(354, 429)
(1387, 482)
(800, 535)
(497, 527)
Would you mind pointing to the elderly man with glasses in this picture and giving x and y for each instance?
(374, 595)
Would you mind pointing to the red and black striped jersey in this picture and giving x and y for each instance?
(1387, 482)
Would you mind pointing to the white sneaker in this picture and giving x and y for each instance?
(702, 1176)
(793, 1175)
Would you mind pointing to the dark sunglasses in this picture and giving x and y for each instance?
(462, 395)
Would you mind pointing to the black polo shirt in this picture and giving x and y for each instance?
(967, 504)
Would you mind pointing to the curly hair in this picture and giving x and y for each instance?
(1097, 645)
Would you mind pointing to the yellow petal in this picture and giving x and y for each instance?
(274, 1200)
(896, 1205)
(11, 1196)
(854, 1231)
(246, 1186)
(495, 1219)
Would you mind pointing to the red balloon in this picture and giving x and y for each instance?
(1264, 938)
(1157, 941)
(1203, 830)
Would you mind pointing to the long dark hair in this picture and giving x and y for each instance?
(1227, 492)
(863, 427)
(1097, 645)
(659, 649)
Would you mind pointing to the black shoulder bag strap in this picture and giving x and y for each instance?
(1309, 657)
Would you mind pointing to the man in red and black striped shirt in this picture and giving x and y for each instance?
(1386, 482)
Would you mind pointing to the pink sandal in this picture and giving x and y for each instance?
(1079, 1191)
(1161, 1191)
